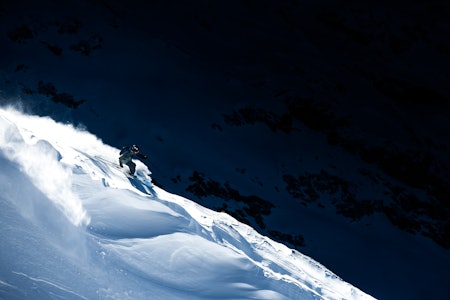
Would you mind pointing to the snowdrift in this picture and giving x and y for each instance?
(74, 226)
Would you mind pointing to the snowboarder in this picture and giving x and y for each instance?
(126, 156)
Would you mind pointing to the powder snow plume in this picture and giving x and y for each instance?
(40, 159)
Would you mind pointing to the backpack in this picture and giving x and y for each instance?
(124, 149)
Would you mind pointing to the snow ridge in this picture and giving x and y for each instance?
(133, 240)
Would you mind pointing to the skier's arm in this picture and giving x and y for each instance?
(142, 156)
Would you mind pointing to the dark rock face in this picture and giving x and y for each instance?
(49, 90)
(253, 206)
(21, 34)
(418, 172)
(248, 209)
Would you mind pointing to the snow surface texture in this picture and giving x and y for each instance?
(75, 227)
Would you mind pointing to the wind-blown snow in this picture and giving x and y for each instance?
(74, 226)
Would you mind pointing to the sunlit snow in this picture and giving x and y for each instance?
(74, 226)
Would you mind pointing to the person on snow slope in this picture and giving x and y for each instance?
(126, 157)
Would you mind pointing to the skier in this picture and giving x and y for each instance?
(126, 156)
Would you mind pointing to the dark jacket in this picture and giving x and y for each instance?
(127, 154)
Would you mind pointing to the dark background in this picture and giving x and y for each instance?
(337, 110)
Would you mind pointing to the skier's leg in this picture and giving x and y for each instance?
(132, 166)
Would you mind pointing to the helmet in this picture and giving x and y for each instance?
(135, 148)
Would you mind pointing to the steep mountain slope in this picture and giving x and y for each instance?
(322, 124)
(75, 226)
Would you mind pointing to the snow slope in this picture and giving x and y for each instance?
(75, 227)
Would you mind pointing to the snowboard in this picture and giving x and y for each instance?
(141, 183)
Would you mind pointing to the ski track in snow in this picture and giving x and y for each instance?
(142, 239)
(50, 283)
